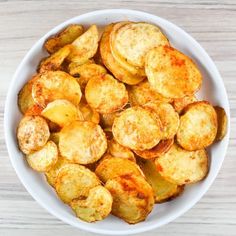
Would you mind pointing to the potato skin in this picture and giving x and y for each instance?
(133, 197)
(222, 121)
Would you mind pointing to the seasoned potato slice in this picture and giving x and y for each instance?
(112, 65)
(34, 110)
(198, 126)
(168, 116)
(89, 114)
(162, 147)
(82, 142)
(107, 120)
(54, 136)
(133, 197)
(137, 128)
(105, 94)
(97, 206)
(171, 73)
(66, 36)
(133, 41)
(222, 123)
(112, 167)
(85, 46)
(74, 181)
(53, 85)
(62, 112)
(32, 133)
(163, 189)
(180, 166)
(43, 159)
(142, 93)
(180, 103)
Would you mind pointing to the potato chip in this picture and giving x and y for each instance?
(89, 114)
(222, 123)
(180, 103)
(34, 110)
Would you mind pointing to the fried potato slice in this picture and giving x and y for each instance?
(142, 93)
(105, 94)
(89, 114)
(133, 41)
(82, 142)
(180, 166)
(162, 147)
(171, 73)
(97, 206)
(66, 36)
(55, 136)
(43, 159)
(198, 126)
(53, 85)
(32, 133)
(111, 64)
(180, 103)
(222, 123)
(137, 128)
(85, 46)
(168, 116)
(34, 110)
(112, 167)
(62, 112)
(54, 61)
(163, 189)
(133, 197)
(75, 181)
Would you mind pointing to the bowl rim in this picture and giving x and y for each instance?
(28, 186)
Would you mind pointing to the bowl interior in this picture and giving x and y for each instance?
(212, 90)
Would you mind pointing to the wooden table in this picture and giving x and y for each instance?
(212, 23)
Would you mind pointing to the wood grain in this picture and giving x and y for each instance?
(211, 22)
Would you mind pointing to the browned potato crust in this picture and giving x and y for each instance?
(222, 123)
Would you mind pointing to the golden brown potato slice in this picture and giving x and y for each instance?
(82, 142)
(162, 147)
(107, 120)
(97, 206)
(168, 116)
(85, 46)
(171, 73)
(62, 112)
(105, 94)
(180, 103)
(137, 128)
(163, 189)
(222, 123)
(112, 167)
(74, 181)
(54, 136)
(66, 36)
(43, 159)
(133, 41)
(133, 197)
(34, 110)
(198, 126)
(142, 93)
(89, 114)
(32, 133)
(111, 64)
(53, 85)
(180, 166)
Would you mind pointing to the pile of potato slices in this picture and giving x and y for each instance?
(114, 123)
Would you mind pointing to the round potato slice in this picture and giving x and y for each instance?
(32, 133)
(180, 166)
(142, 93)
(137, 128)
(163, 189)
(97, 206)
(62, 112)
(171, 73)
(198, 126)
(53, 85)
(222, 123)
(168, 116)
(133, 197)
(111, 64)
(82, 142)
(106, 94)
(133, 41)
(89, 114)
(112, 167)
(162, 147)
(75, 181)
(43, 159)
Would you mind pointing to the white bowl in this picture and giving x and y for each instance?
(213, 90)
